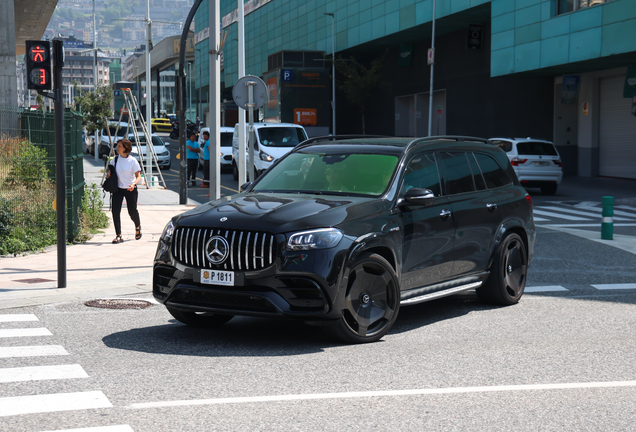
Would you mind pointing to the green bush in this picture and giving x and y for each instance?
(92, 217)
(28, 168)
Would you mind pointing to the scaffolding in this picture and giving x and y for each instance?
(132, 109)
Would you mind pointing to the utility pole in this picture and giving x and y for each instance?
(148, 96)
(432, 61)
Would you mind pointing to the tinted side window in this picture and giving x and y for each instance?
(502, 144)
(494, 175)
(421, 172)
(480, 184)
(456, 172)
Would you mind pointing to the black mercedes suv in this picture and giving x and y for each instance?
(343, 231)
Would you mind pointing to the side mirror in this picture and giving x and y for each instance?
(419, 197)
(245, 186)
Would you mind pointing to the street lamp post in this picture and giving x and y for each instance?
(333, 71)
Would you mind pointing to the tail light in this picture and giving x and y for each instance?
(529, 199)
(557, 162)
(516, 161)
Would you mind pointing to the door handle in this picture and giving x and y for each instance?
(444, 214)
(491, 206)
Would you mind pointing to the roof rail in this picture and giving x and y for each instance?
(338, 137)
(456, 138)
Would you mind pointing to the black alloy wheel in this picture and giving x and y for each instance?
(372, 301)
(507, 278)
(199, 319)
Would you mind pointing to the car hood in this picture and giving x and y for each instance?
(158, 149)
(281, 213)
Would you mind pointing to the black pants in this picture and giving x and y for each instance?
(192, 169)
(131, 203)
(206, 171)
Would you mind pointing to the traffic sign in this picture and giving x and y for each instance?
(240, 92)
(38, 63)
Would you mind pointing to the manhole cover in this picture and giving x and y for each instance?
(34, 280)
(118, 304)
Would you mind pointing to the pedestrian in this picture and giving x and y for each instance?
(198, 125)
(206, 159)
(128, 175)
(192, 156)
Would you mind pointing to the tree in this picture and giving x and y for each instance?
(95, 106)
(359, 80)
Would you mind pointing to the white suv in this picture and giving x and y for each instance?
(273, 141)
(536, 162)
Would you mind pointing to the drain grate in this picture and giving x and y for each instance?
(118, 304)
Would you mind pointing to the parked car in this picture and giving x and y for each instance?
(104, 140)
(273, 141)
(226, 146)
(161, 125)
(345, 232)
(163, 154)
(536, 162)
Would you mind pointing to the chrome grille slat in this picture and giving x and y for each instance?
(248, 249)
(254, 252)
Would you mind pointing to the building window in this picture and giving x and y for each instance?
(565, 6)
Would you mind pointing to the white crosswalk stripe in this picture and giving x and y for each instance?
(11, 406)
(18, 318)
(116, 428)
(552, 288)
(39, 373)
(38, 331)
(580, 213)
(32, 351)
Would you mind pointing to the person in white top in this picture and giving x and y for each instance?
(128, 175)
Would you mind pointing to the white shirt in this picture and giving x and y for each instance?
(126, 169)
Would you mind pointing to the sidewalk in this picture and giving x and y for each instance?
(97, 268)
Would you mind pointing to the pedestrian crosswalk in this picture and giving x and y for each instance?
(586, 213)
(43, 403)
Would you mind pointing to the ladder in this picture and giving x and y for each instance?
(133, 115)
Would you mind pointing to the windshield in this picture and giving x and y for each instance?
(156, 141)
(536, 148)
(226, 139)
(280, 136)
(121, 133)
(366, 174)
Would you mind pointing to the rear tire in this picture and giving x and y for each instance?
(507, 279)
(235, 173)
(199, 320)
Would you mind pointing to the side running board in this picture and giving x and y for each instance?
(439, 294)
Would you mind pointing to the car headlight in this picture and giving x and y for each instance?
(163, 154)
(166, 236)
(265, 157)
(314, 239)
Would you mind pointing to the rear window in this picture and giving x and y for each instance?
(536, 148)
(502, 144)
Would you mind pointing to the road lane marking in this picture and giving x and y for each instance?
(615, 286)
(559, 216)
(544, 289)
(18, 318)
(32, 351)
(587, 225)
(116, 428)
(538, 219)
(39, 331)
(41, 373)
(383, 393)
(53, 402)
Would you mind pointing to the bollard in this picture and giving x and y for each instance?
(607, 226)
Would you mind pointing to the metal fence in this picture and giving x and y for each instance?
(27, 171)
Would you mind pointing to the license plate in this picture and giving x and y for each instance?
(214, 277)
(542, 164)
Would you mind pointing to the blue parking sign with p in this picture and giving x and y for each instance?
(287, 75)
(116, 93)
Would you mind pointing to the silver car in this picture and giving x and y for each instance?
(163, 154)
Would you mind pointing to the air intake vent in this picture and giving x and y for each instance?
(248, 250)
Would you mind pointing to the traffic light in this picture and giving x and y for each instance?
(38, 62)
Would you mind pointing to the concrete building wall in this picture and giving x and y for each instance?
(8, 77)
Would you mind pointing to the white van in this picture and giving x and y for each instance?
(273, 141)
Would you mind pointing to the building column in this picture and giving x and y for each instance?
(8, 76)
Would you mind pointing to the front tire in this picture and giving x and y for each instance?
(507, 279)
(372, 301)
(200, 320)
(235, 173)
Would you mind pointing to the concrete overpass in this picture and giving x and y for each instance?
(20, 20)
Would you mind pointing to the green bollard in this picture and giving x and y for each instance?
(607, 226)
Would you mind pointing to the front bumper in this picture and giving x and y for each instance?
(301, 285)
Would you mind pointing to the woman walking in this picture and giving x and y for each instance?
(128, 175)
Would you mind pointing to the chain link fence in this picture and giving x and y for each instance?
(27, 178)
